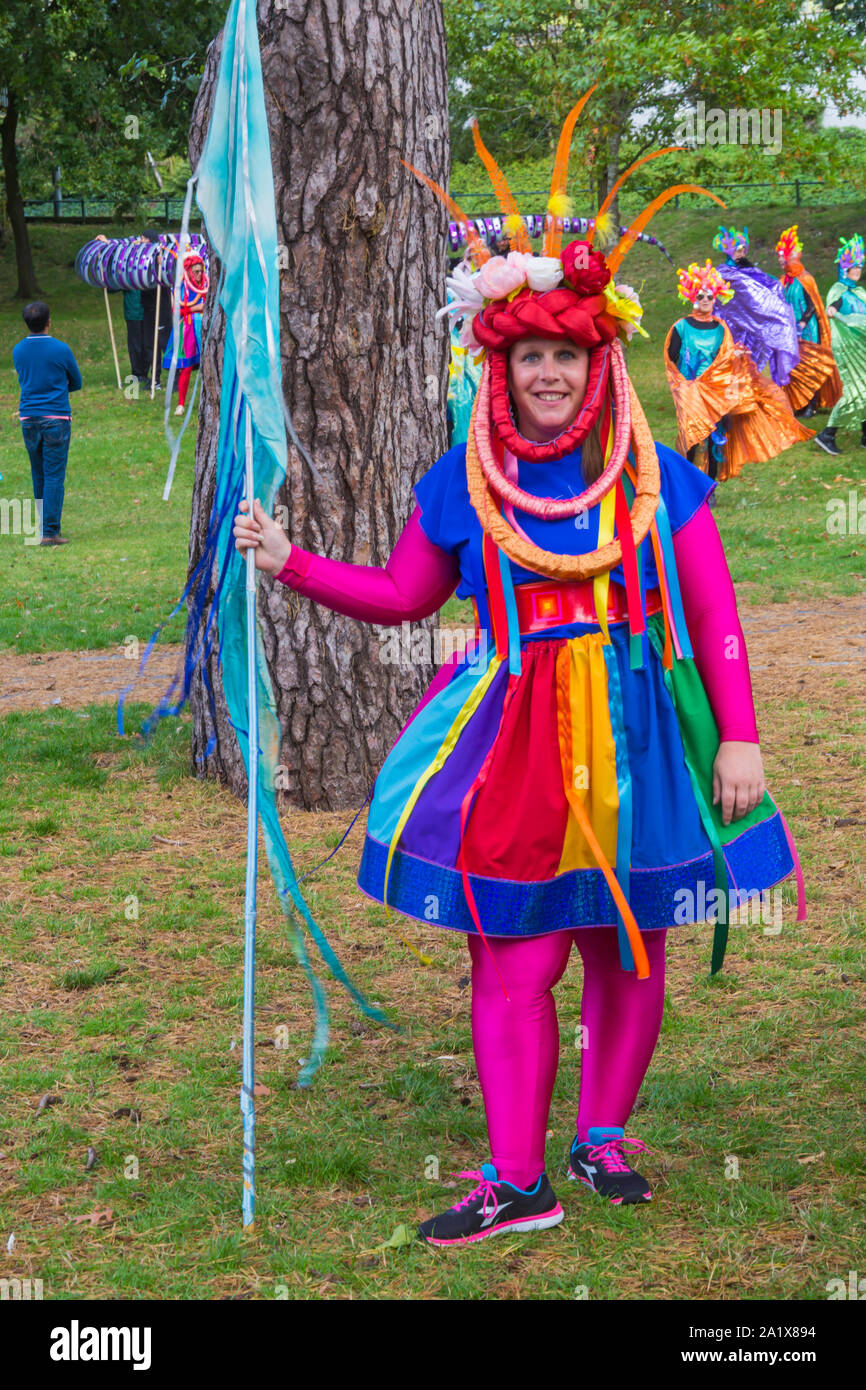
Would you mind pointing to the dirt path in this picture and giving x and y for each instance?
(787, 640)
(71, 679)
(791, 646)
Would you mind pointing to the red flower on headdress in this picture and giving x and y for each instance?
(584, 269)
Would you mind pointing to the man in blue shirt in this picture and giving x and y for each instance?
(47, 372)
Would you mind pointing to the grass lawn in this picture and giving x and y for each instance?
(121, 901)
(126, 566)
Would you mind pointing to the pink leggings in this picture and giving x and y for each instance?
(516, 1040)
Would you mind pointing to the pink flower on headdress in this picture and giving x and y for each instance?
(500, 275)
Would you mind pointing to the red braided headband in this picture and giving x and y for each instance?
(559, 313)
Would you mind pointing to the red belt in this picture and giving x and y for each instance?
(545, 605)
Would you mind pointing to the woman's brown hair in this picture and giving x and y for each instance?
(592, 454)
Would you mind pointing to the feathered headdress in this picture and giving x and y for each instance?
(850, 253)
(727, 239)
(561, 293)
(788, 245)
(703, 277)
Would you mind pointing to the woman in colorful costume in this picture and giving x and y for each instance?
(757, 313)
(193, 292)
(727, 412)
(814, 383)
(579, 776)
(846, 310)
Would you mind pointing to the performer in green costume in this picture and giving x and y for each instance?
(846, 309)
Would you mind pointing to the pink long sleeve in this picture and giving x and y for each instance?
(416, 581)
(719, 646)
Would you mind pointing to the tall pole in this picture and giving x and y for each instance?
(111, 335)
(248, 1108)
(156, 326)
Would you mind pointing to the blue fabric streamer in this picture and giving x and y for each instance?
(235, 193)
(514, 665)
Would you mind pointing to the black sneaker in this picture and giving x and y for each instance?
(492, 1208)
(600, 1163)
(827, 441)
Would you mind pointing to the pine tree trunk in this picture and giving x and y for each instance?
(352, 86)
(27, 286)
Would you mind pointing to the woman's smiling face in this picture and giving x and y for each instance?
(547, 378)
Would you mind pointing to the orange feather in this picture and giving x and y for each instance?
(626, 242)
(504, 196)
(656, 154)
(559, 178)
(475, 246)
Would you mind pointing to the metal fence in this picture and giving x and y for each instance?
(796, 192)
(95, 206)
(799, 192)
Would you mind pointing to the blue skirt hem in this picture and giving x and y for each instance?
(670, 896)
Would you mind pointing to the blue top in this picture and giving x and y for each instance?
(448, 518)
(850, 301)
(802, 305)
(47, 372)
(699, 347)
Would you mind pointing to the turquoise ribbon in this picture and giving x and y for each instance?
(635, 639)
(720, 867)
(514, 665)
(674, 596)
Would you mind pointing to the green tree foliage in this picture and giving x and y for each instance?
(519, 65)
(91, 85)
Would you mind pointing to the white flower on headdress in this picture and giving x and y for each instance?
(467, 299)
(466, 336)
(542, 272)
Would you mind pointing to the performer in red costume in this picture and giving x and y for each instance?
(192, 295)
(590, 768)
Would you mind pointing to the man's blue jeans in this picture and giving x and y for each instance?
(47, 443)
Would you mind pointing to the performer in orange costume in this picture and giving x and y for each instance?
(728, 395)
(815, 383)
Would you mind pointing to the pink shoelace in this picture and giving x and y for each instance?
(484, 1186)
(611, 1154)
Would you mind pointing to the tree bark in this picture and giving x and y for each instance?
(352, 87)
(27, 286)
